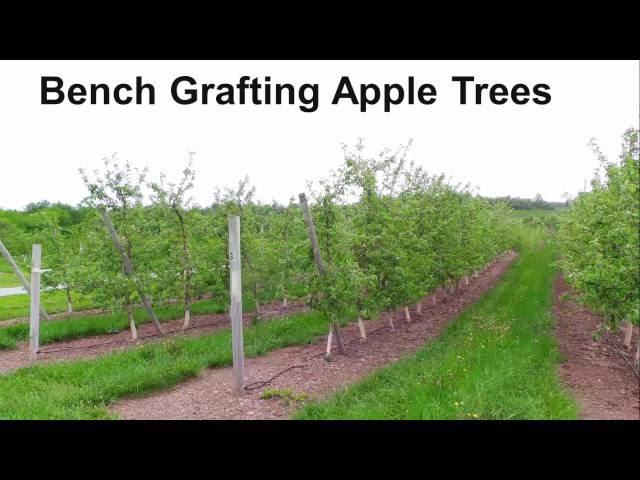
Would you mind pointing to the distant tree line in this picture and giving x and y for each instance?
(536, 203)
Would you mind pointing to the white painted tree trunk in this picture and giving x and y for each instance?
(419, 308)
(390, 320)
(284, 301)
(434, 299)
(134, 330)
(187, 319)
(69, 307)
(628, 334)
(334, 331)
(363, 332)
(407, 315)
(329, 341)
(132, 324)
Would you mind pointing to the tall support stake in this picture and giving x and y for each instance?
(128, 267)
(34, 311)
(311, 230)
(235, 266)
(363, 332)
(18, 273)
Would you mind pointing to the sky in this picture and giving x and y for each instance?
(517, 150)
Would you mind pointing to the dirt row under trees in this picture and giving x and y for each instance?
(211, 394)
(598, 372)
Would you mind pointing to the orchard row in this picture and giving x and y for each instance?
(388, 232)
(599, 238)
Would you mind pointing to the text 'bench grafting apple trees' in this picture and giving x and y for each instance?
(186, 90)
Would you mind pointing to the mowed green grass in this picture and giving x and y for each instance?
(17, 306)
(8, 280)
(496, 361)
(4, 266)
(84, 389)
(100, 324)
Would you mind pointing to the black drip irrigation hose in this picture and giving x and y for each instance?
(264, 383)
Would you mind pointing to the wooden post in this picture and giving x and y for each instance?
(338, 334)
(18, 273)
(311, 231)
(235, 265)
(128, 267)
(390, 320)
(34, 311)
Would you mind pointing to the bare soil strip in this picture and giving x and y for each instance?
(93, 346)
(603, 383)
(211, 395)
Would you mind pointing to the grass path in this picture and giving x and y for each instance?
(496, 361)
